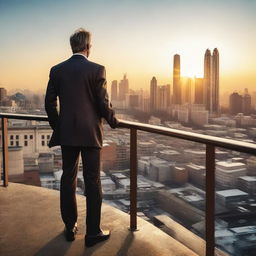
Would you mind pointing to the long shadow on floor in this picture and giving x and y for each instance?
(57, 246)
(123, 251)
(126, 245)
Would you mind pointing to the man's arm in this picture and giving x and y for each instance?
(51, 101)
(102, 99)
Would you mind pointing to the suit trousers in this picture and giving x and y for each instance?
(91, 157)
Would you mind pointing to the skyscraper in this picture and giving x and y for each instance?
(123, 88)
(211, 81)
(176, 80)
(153, 94)
(186, 90)
(207, 79)
(215, 81)
(114, 90)
(162, 97)
(199, 91)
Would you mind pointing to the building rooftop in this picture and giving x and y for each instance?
(229, 164)
(248, 178)
(231, 192)
(31, 225)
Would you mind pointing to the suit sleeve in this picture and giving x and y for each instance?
(102, 99)
(51, 100)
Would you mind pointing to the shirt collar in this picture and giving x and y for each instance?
(80, 54)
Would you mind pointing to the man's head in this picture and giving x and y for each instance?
(80, 41)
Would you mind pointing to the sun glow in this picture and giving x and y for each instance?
(191, 67)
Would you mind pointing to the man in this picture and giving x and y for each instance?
(80, 86)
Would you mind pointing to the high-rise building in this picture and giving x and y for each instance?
(199, 91)
(215, 81)
(162, 97)
(211, 81)
(153, 94)
(168, 94)
(123, 88)
(114, 90)
(235, 103)
(187, 88)
(176, 80)
(247, 102)
(3, 93)
(207, 79)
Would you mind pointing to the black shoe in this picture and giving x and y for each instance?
(92, 240)
(70, 234)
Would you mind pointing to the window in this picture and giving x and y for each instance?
(17, 137)
(48, 137)
(17, 143)
(42, 136)
(25, 137)
(11, 143)
(43, 143)
(11, 137)
(31, 137)
(25, 143)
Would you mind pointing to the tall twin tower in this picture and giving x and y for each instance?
(210, 81)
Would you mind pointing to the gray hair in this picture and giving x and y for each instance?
(80, 40)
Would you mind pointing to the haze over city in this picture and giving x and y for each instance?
(137, 38)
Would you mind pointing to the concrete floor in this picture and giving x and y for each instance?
(30, 224)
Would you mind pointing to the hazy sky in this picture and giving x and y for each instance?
(134, 37)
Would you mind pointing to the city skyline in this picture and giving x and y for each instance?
(121, 47)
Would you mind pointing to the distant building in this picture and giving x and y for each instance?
(153, 94)
(199, 116)
(16, 163)
(199, 91)
(114, 95)
(235, 103)
(247, 103)
(176, 80)
(163, 97)
(227, 173)
(160, 170)
(108, 155)
(251, 165)
(231, 196)
(132, 101)
(196, 174)
(247, 183)
(186, 92)
(123, 88)
(3, 94)
(211, 81)
(34, 138)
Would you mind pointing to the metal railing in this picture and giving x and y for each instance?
(210, 141)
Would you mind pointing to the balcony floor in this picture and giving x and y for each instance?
(31, 225)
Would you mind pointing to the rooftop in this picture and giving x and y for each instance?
(31, 225)
(231, 192)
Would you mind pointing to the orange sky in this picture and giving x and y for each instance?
(139, 39)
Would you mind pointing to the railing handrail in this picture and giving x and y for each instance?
(245, 147)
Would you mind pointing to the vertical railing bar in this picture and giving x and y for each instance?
(133, 179)
(210, 200)
(5, 150)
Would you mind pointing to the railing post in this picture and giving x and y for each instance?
(210, 200)
(133, 179)
(5, 150)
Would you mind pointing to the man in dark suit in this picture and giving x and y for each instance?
(80, 86)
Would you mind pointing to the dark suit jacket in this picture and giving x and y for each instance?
(80, 86)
